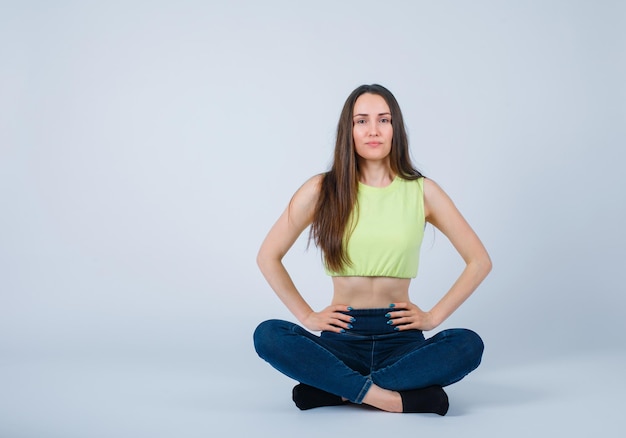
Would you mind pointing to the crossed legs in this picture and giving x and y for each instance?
(410, 382)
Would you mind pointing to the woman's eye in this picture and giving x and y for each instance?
(361, 122)
(385, 121)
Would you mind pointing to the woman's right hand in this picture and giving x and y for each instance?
(331, 319)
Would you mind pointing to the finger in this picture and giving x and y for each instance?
(344, 317)
(402, 327)
(346, 325)
(332, 328)
(397, 324)
(332, 325)
(399, 305)
(397, 314)
(340, 328)
(339, 312)
(341, 308)
(404, 320)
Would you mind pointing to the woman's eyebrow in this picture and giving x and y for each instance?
(380, 114)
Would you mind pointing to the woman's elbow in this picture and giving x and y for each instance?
(261, 259)
(486, 264)
(481, 264)
(265, 259)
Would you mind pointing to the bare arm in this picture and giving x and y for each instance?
(443, 214)
(297, 216)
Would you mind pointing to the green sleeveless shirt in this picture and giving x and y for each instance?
(388, 228)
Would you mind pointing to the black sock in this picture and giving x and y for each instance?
(309, 397)
(431, 399)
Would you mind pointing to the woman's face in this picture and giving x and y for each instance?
(371, 127)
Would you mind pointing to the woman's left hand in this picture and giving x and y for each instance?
(407, 316)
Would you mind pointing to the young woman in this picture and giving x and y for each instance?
(367, 215)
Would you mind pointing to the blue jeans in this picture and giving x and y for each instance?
(347, 364)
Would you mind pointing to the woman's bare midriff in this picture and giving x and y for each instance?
(370, 292)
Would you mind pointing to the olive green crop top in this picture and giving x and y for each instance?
(388, 233)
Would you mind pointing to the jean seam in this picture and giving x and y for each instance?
(373, 339)
(363, 392)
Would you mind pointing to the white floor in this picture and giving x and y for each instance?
(49, 396)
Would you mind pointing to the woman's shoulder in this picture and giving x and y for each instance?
(316, 180)
(435, 198)
(431, 187)
(309, 191)
(312, 185)
(428, 183)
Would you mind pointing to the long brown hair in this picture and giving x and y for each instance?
(338, 190)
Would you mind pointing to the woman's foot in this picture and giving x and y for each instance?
(432, 399)
(308, 397)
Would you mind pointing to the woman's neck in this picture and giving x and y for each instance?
(375, 174)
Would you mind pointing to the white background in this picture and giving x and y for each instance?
(147, 147)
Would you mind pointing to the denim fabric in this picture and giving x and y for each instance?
(346, 364)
